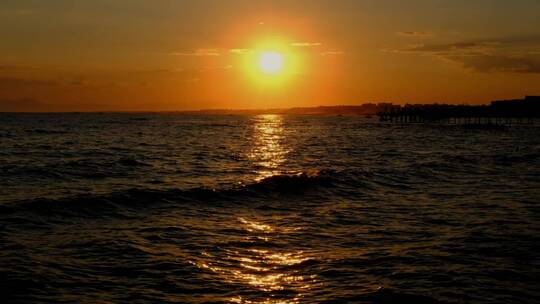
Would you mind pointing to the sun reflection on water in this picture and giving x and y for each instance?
(275, 274)
(258, 258)
(268, 150)
(254, 226)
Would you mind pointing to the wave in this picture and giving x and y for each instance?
(293, 182)
(517, 158)
(118, 204)
(317, 186)
(45, 132)
(87, 167)
(388, 295)
(5, 134)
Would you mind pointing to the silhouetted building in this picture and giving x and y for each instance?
(532, 98)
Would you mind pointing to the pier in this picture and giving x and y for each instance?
(500, 112)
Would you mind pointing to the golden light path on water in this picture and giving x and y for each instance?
(270, 270)
(268, 150)
(266, 269)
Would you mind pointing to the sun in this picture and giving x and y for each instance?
(270, 62)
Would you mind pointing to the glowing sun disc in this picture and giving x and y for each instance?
(270, 62)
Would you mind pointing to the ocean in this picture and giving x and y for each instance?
(170, 208)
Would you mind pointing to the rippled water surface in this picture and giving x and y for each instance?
(148, 208)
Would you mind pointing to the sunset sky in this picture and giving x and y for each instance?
(64, 55)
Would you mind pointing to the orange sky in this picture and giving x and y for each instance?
(65, 55)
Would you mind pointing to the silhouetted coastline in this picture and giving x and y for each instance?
(363, 109)
(499, 112)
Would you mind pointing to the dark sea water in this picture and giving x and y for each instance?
(151, 208)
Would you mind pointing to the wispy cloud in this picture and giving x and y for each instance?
(332, 53)
(417, 34)
(199, 53)
(481, 47)
(498, 63)
(507, 54)
(239, 51)
(306, 44)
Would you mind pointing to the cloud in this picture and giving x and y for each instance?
(507, 54)
(419, 34)
(498, 63)
(306, 44)
(465, 47)
(198, 53)
(332, 53)
(239, 51)
(484, 47)
(17, 85)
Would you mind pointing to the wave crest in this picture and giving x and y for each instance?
(119, 204)
(293, 182)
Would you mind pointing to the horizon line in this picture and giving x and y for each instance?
(242, 109)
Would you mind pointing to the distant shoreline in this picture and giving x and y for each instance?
(346, 110)
(365, 109)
